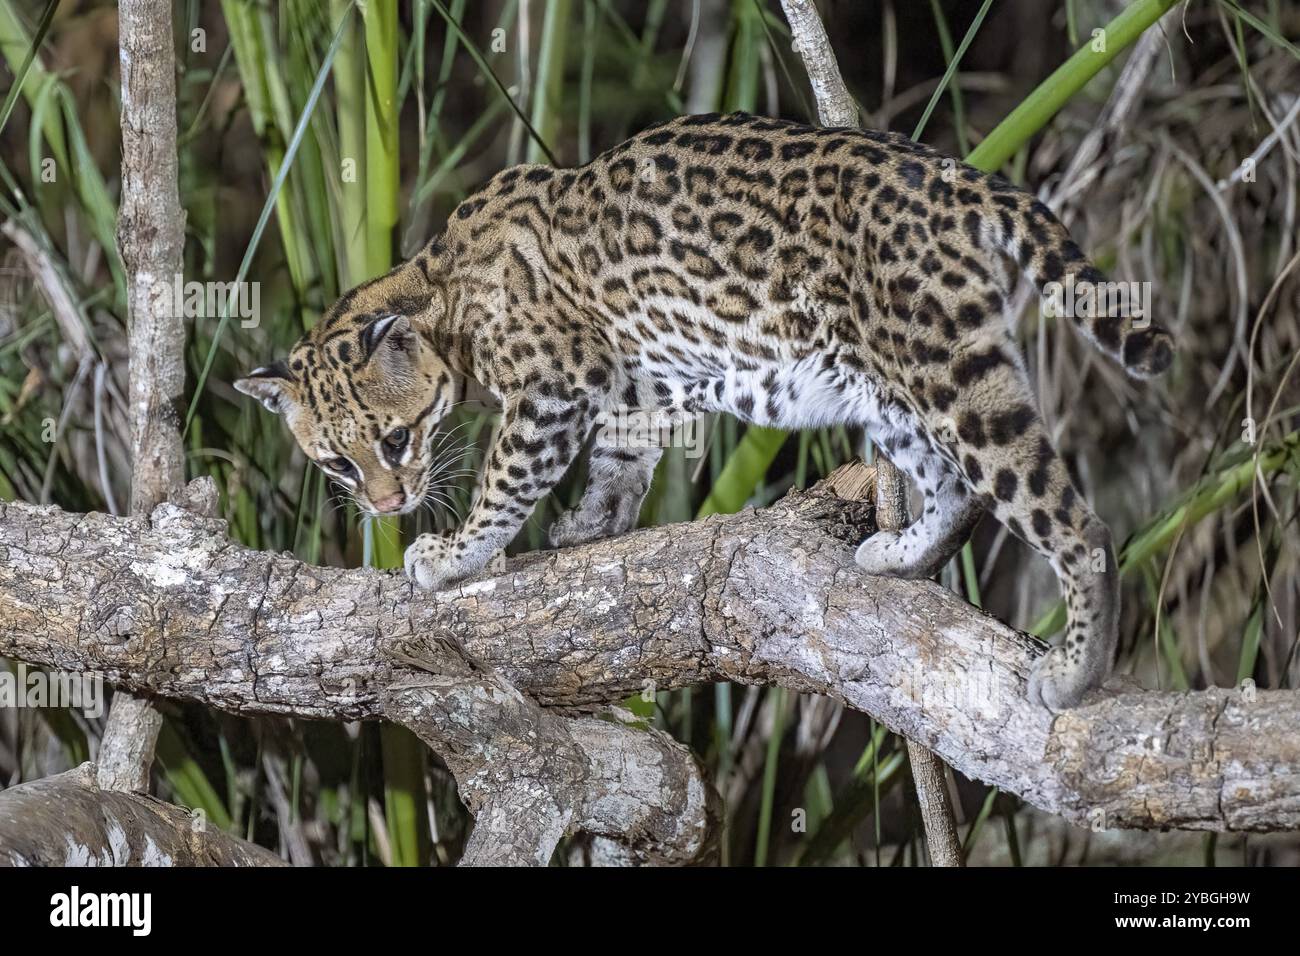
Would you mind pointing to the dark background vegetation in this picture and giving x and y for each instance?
(1208, 517)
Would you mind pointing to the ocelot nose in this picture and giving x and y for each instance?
(393, 502)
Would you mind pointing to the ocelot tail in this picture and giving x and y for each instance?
(788, 275)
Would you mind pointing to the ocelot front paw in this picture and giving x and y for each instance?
(430, 563)
(433, 561)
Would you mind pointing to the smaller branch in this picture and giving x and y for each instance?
(930, 775)
(928, 770)
(835, 106)
(53, 288)
(126, 750)
(150, 233)
(531, 776)
(69, 820)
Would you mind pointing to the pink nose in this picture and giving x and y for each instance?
(393, 502)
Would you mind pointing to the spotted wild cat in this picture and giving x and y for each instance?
(788, 275)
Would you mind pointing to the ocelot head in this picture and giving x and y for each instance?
(364, 394)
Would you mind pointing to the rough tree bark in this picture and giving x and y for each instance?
(167, 605)
(151, 234)
(68, 820)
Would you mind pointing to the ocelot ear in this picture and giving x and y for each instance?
(273, 385)
(392, 342)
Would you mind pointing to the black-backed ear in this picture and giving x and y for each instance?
(392, 343)
(273, 385)
(391, 331)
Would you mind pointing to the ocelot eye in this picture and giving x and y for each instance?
(395, 441)
(340, 465)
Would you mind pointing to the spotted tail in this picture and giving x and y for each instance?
(1114, 316)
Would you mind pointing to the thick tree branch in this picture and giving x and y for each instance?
(169, 606)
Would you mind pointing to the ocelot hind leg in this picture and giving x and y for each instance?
(1009, 462)
(946, 520)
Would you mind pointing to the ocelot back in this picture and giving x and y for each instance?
(788, 275)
